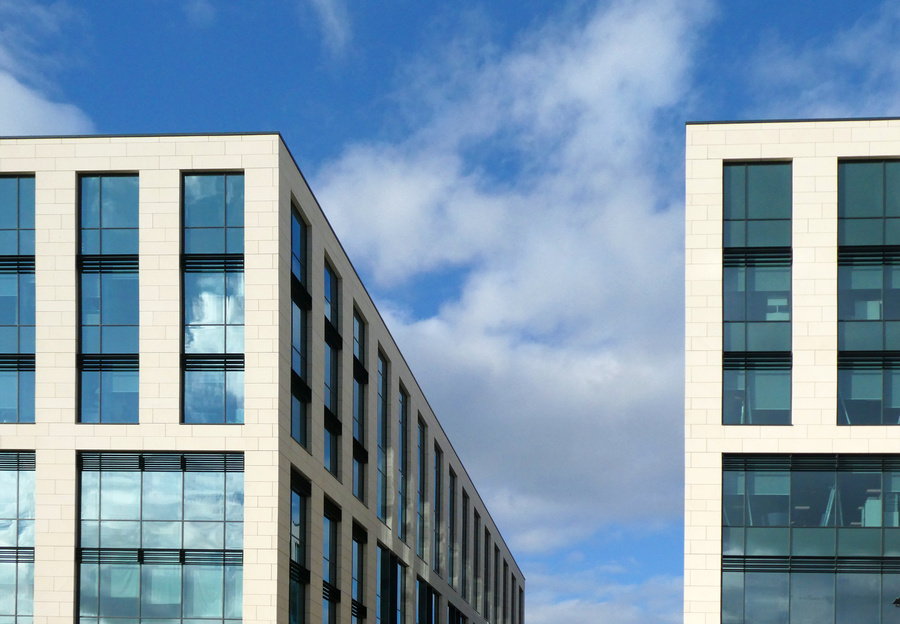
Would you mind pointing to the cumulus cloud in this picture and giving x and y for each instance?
(591, 597)
(537, 176)
(25, 66)
(26, 111)
(855, 72)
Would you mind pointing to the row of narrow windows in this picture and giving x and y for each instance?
(108, 298)
(392, 582)
(756, 280)
(394, 425)
(160, 535)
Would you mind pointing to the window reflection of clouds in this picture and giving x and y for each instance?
(214, 303)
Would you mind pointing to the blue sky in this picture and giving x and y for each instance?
(507, 177)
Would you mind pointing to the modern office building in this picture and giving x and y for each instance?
(203, 418)
(792, 450)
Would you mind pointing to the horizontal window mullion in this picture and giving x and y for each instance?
(744, 360)
(16, 264)
(756, 256)
(112, 263)
(109, 361)
(203, 362)
(17, 361)
(212, 263)
(17, 555)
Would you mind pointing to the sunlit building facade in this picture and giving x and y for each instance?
(792, 407)
(203, 418)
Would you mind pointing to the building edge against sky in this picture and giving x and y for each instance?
(257, 380)
(792, 395)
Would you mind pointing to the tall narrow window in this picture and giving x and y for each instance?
(108, 288)
(757, 294)
(403, 463)
(868, 293)
(436, 508)
(330, 563)
(299, 567)
(498, 594)
(383, 437)
(161, 537)
(360, 383)
(390, 588)
(427, 603)
(16, 299)
(476, 560)
(301, 303)
(486, 575)
(332, 347)
(16, 536)
(421, 487)
(358, 566)
(213, 283)
(464, 566)
(451, 530)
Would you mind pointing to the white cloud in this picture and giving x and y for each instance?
(25, 106)
(557, 372)
(590, 597)
(26, 111)
(853, 73)
(334, 22)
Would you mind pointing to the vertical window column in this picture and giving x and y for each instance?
(16, 299)
(332, 364)
(403, 463)
(756, 294)
(108, 289)
(301, 304)
(437, 508)
(421, 488)
(331, 595)
(476, 561)
(390, 588)
(464, 566)
(299, 582)
(16, 536)
(213, 283)
(358, 564)
(451, 530)
(360, 383)
(868, 293)
(382, 435)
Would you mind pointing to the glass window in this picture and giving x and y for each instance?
(299, 234)
(757, 204)
(403, 462)
(868, 203)
(331, 295)
(358, 566)
(299, 570)
(436, 507)
(17, 302)
(421, 487)
(109, 292)
(16, 216)
(753, 396)
(382, 434)
(214, 213)
(176, 505)
(213, 290)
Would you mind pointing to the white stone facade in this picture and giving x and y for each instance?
(813, 148)
(272, 183)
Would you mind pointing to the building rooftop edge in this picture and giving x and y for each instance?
(136, 135)
(787, 120)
